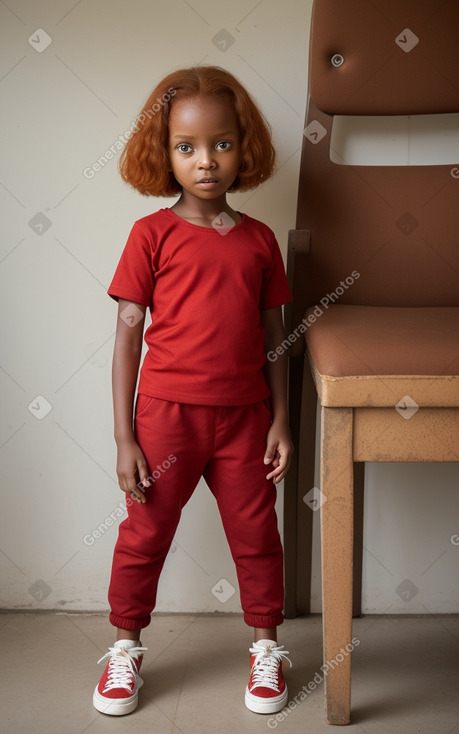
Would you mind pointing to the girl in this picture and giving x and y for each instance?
(209, 404)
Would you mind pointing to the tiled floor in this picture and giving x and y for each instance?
(405, 676)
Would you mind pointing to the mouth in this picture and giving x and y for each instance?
(208, 181)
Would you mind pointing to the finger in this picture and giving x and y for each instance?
(142, 472)
(280, 469)
(275, 461)
(137, 492)
(270, 454)
(138, 496)
(131, 488)
(275, 475)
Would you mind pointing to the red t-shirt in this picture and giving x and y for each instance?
(205, 290)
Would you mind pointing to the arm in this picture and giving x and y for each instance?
(131, 466)
(279, 445)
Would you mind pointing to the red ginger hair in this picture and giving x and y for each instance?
(144, 162)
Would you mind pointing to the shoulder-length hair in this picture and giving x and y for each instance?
(144, 162)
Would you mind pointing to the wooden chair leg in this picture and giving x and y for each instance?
(337, 518)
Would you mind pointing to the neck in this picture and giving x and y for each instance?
(202, 211)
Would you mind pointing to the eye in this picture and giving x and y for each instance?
(184, 148)
(223, 145)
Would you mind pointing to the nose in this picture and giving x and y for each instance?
(206, 159)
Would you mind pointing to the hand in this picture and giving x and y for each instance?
(132, 469)
(279, 450)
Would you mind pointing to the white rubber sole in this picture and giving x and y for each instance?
(116, 706)
(265, 705)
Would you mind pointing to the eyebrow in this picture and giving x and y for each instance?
(193, 137)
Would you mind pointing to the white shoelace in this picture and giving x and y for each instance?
(121, 670)
(265, 666)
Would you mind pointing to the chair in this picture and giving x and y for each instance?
(374, 268)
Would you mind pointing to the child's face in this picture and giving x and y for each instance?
(204, 147)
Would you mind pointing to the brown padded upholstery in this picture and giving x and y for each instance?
(386, 348)
(416, 341)
(364, 34)
(387, 223)
(395, 237)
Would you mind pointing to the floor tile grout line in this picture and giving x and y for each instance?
(76, 626)
(196, 616)
(433, 615)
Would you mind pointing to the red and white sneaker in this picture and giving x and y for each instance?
(266, 692)
(117, 692)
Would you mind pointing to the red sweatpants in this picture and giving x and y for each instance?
(226, 446)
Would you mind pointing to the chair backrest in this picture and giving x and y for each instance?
(380, 235)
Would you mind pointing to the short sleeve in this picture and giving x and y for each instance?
(275, 290)
(134, 276)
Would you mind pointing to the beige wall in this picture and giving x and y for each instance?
(62, 106)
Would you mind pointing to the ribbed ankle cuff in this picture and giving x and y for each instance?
(262, 621)
(126, 623)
